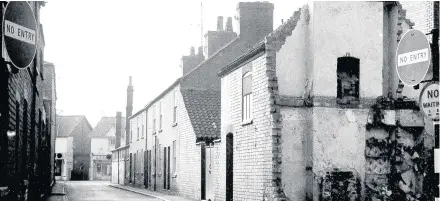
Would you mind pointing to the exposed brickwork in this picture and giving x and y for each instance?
(25, 145)
(421, 14)
(189, 157)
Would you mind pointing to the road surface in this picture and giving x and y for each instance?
(99, 191)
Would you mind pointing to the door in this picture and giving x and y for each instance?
(134, 168)
(229, 167)
(130, 170)
(156, 143)
(145, 169)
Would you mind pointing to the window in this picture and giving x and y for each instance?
(160, 117)
(348, 80)
(175, 108)
(142, 135)
(131, 131)
(247, 97)
(154, 119)
(174, 156)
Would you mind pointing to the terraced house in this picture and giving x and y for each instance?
(317, 112)
(103, 141)
(172, 139)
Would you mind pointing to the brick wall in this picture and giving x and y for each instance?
(252, 142)
(421, 14)
(189, 157)
(26, 150)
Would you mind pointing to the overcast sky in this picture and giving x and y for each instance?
(95, 45)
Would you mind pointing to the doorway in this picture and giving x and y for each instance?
(229, 166)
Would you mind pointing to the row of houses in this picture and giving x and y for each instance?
(313, 110)
(27, 112)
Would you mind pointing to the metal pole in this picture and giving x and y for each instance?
(435, 39)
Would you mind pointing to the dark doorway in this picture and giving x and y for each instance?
(156, 142)
(164, 168)
(145, 169)
(134, 168)
(169, 170)
(130, 161)
(229, 166)
(203, 170)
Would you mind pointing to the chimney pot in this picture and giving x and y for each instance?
(229, 24)
(200, 53)
(192, 51)
(220, 23)
(129, 80)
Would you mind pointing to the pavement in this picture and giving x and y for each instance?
(94, 190)
(155, 194)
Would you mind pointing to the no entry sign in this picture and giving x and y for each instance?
(20, 33)
(429, 100)
(413, 57)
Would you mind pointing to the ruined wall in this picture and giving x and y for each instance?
(338, 142)
(340, 28)
(294, 59)
(297, 151)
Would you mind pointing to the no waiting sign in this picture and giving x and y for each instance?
(413, 57)
(429, 100)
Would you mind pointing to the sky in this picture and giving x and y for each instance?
(96, 45)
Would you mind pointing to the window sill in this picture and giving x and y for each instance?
(247, 122)
(160, 130)
(175, 124)
(174, 175)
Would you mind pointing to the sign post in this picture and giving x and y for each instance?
(20, 33)
(413, 57)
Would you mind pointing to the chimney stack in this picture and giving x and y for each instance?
(200, 53)
(229, 24)
(118, 129)
(220, 23)
(129, 110)
(192, 60)
(255, 20)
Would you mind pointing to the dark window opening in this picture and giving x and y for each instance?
(58, 164)
(348, 80)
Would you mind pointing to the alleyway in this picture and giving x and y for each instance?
(97, 191)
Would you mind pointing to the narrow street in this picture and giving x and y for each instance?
(98, 191)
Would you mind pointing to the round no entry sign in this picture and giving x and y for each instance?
(413, 57)
(429, 100)
(20, 33)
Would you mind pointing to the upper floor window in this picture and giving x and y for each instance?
(137, 128)
(160, 115)
(175, 108)
(247, 97)
(154, 119)
(131, 131)
(142, 131)
(348, 80)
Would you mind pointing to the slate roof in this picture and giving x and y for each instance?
(67, 124)
(203, 108)
(104, 125)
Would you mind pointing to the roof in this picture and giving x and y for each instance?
(104, 125)
(277, 36)
(203, 107)
(67, 124)
(236, 63)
